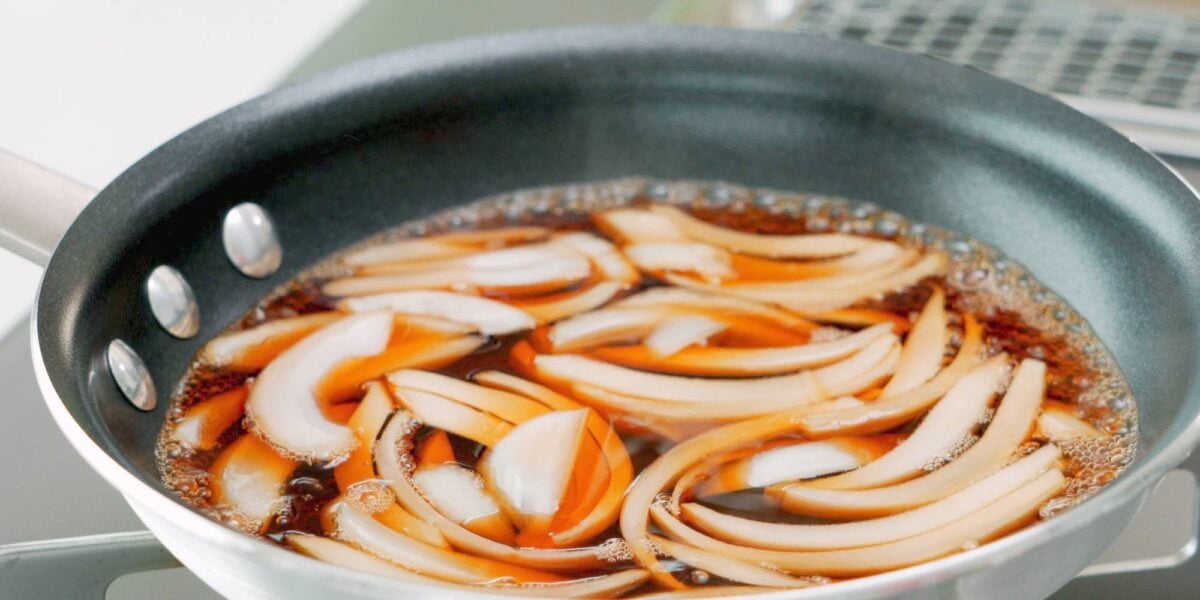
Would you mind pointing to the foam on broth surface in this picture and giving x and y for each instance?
(1018, 314)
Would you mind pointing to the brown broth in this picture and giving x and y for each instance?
(1019, 317)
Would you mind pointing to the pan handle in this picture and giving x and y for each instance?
(36, 207)
(82, 567)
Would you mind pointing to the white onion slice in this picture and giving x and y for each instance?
(779, 536)
(448, 415)
(489, 317)
(529, 469)
(680, 298)
(821, 245)
(442, 246)
(458, 493)
(1009, 428)
(952, 419)
(248, 478)
(602, 327)
(923, 349)
(1059, 423)
(202, 425)
(254, 348)
(831, 283)
(513, 408)
(631, 225)
(728, 568)
(687, 257)
(282, 405)
(607, 259)
(802, 460)
(675, 334)
(570, 304)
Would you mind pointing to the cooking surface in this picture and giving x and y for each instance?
(52, 493)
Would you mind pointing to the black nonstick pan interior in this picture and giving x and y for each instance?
(342, 156)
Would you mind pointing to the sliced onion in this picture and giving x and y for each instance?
(458, 493)
(832, 283)
(1008, 429)
(923, 348)
(448, 415)
(728, 568)
(704, 260)
(513, 408)
(718, 361)
(248, 478)
(420, 351)
(490, 317)
(711, 591)
(344, 555)
(1009, 512)
(366, 422)
(201, 426)
(800, 460)
(602, 327)
(558, 307)
(951, 420)
(859, 317)
(607, 259)
(1060, 423)
(751, 268)
(672, 297)
(778, 536)
(395, 442)
(282, 404)
(887, 413)
(631, 225)
(400, 520)
(675, 334)
(356, 527)
(528, 471)
(515, 257)
(822, 245)
(823, 299)
(254, 348)
(443, 246)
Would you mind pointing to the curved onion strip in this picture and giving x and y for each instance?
(551, 309)
(458, 493)
(344, 555)
(716, 361)
(735, 407)
(670, 465)
(528, 471)
(248, 477)
(603, 327)
(704, 260)
(365, 422)
(800, 460)
(711, 591)
(356, 527)
(887, 413)
(725, 567)
(672, 297)
(1009, 428)
(448, 415)
(420, 351)
(632, 225)
(608, 261)
(282, 405)
(676, 333)
(443, 246)
(778, 536)
(513, 408)
(923, 348)
(821, 245)
(515, 257)
(558, 270)
(201, 425)
(951, 420)
(398, 519)
(859, 317)
(1010, 512)
(490, 317)
(1059, 422)
(752, 268)
(254, 348)
(620, 467)
(833, 282)
(395, 441)
(818, 300)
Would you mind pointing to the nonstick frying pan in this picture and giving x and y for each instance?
(362, 148)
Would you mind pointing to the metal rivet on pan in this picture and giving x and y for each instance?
(131, 376)
(250, 240)
(172, 302)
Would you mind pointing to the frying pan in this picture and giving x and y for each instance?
(354, 151)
